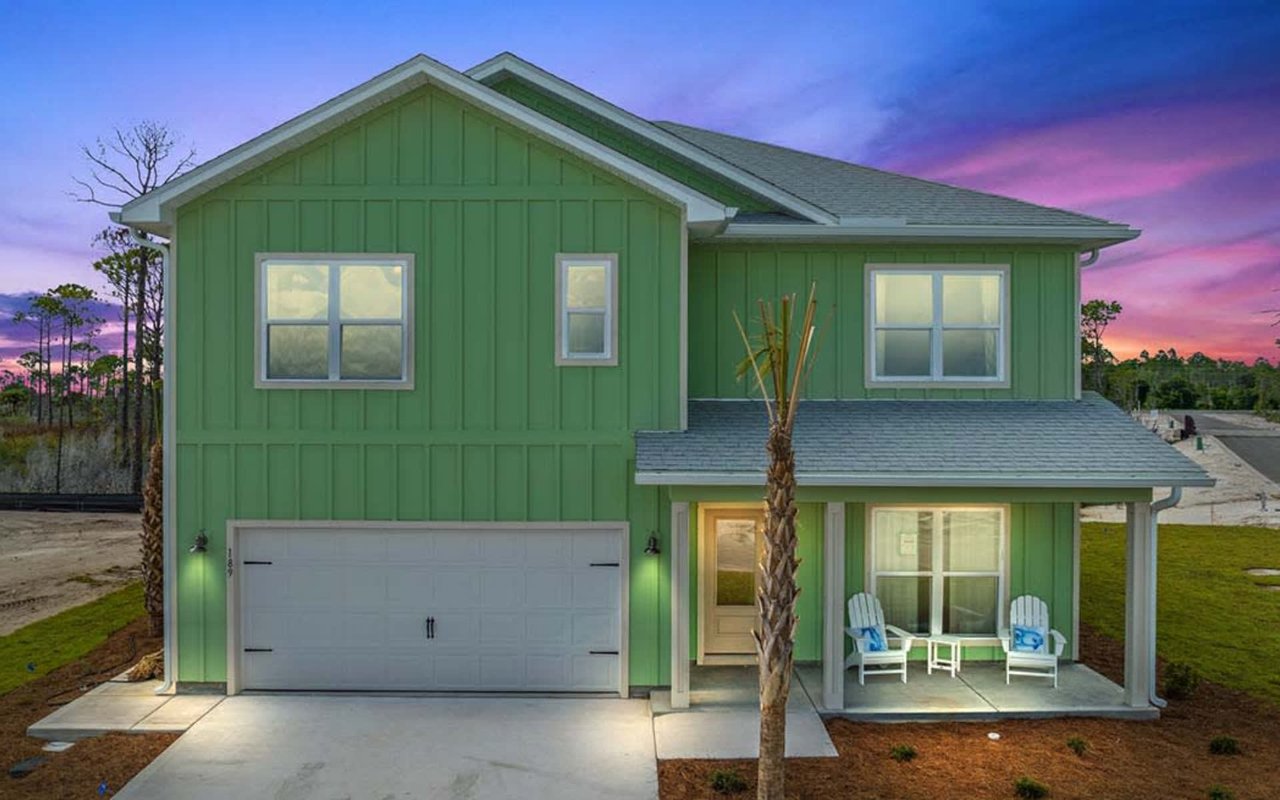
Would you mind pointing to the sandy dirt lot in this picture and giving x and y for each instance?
(53, 561)
(1234, 501)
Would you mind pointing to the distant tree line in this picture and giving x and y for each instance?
(67, 379)
(1168, 379)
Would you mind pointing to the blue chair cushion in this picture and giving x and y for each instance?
(875, 639)
(1027, 639)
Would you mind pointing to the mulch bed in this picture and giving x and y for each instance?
(78, 772)
(1168, 758)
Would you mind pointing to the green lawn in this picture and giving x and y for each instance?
(61, 639)
(1211, 613)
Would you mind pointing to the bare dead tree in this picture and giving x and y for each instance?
(128, 163)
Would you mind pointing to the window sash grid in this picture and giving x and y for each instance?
(937, 575)
(606, 312)
(334, 322)
(936, 327)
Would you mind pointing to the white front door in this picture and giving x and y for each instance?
(430, 609)
(731, 551)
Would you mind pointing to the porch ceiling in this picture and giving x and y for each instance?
(996, 443)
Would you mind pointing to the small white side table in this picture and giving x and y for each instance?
(951, 661)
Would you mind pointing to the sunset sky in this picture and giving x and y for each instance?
(1162, 115)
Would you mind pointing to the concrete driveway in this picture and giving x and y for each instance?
(290, 747)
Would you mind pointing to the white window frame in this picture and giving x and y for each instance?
(335, 261)
(936, 327)
(936, 573)
(609, 358)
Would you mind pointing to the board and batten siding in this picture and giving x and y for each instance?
(725, 278)
(493, 429)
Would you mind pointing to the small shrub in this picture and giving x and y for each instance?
(1180, 681)
(902, 753)
(1224, 746)
(1030, 788)
(1077, 745)
(1218, 792)
(727, 781)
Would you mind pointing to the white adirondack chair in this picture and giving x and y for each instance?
(1042, 661)
(865, 612)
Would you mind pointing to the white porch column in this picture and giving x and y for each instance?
(680, 605)
(1137, 612)
(833, 607)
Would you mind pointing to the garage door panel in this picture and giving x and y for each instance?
(589, 550)
(549, 629)
(596, 672)
(502, 588)
(504, 629)
(460, 589)
(462, 547)
(595, 630)
(365, 586)
(512, 609)
(553, 550)
(313, 586)
(315, 546)
(410, 587)
(595, 588)
(548, 588)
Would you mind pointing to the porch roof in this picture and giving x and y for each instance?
(998, 443)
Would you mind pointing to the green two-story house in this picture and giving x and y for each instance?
(450, 401)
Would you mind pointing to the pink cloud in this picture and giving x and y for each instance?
(1131, 154)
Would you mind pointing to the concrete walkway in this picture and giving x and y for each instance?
(118, 705)
(291, 747)
(723, 718)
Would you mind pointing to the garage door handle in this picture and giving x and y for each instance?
(604, 564)
(602, 652)
(431, 627)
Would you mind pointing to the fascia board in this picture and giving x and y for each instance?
(1085, 235)
(507, 63)
(925, 480)
(154, 207)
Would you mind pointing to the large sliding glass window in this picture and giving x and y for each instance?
(939, 570)
(333, 321)
(937, 325)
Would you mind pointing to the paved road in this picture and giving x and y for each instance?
(1261, 453)
(1258, 446)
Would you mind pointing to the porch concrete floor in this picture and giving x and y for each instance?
(118, 705)
(979, 692)
(723, 718)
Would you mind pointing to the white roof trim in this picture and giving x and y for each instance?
(514, 65)
(154, 210)
(1091, 235)
(1046, 481)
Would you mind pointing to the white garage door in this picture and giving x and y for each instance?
(416, 609)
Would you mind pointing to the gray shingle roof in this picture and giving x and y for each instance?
(852, 190)
(1064, 443)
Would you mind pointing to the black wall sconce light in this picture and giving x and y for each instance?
(201, 544)
(651, 547)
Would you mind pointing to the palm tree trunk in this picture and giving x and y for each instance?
(153, 541)
(777, 605)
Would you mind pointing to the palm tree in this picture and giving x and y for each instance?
(153, 541)
(780, 379)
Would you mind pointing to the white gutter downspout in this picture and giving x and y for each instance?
(1091, 259)
(168, 438)
(1175, 494)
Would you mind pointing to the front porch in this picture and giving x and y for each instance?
(978, 692)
